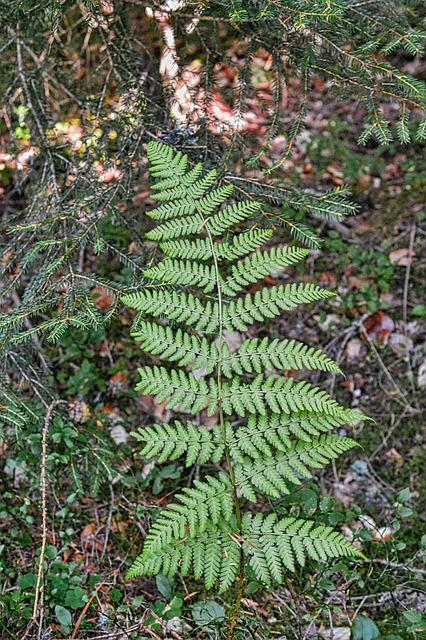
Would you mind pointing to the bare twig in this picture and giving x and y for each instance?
(385, 369)
(407, 274)
(38, 596)
(85, 609)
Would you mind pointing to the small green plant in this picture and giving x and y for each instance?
(270, 429)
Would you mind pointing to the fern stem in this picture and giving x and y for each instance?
(240, 589)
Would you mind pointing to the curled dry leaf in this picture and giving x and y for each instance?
(384, 534)
(89, 538)
(119, 434)
(378, 326)
(118, 381)
(106, 8)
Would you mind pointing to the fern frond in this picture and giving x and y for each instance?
(200, 249)
(208, 502)
(178, 388)
(273, 476)
(230, 216)
(192, 191)
(168, 442)
(263, 434)
(278, 394)
(188, 273)
(269, 303)
(212, 555)
(257, 354)
(164, 162)
(285, 433)
(261, 264)
(176, 305)
(274, 546)
(177, 346)
(188, 391)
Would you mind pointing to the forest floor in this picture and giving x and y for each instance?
(101, 493)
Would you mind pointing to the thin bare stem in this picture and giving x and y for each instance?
(38, 596)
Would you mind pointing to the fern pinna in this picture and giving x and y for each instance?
(271, 430)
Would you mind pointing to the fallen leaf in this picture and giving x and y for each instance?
(79, 411)
(88, 537)
(328, 279)
(378, 326)
(118, 381)
(395, 457)
(368, 522)
(106, 176)
(384, 534)
(357, 283)
(402, 257)
(103, 299)
(106, 8)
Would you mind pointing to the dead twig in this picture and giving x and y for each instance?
(85, 609)
(38, 596)
(407, 274)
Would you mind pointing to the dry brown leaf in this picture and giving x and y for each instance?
(402, 257)
(103, 299)
(383, 534)
(378, 326)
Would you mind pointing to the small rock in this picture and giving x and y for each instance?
(421, 378)
(355, 351)
(16, 472)
(400, 344)
(332, 319)
(119, 434)
(337, 633)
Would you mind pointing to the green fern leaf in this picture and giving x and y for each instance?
(286, 431)
(207, 503)
(261, 264)
(268, 303)
(256, 354)
(168, 442)
(200, 249)
(200, 554)
(178, 306)
(183, 273)
(263, 434)
(272, 475)
(273, 545)
(179, 389)
(280, 395)
(177, 346)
